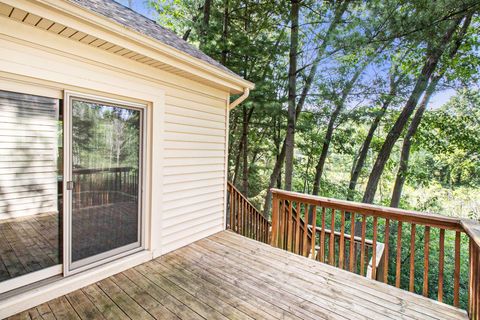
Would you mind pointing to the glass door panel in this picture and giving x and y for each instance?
(30, 216)
(105, 202)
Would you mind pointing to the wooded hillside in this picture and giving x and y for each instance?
(373, 101)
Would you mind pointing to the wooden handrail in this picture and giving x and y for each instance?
(430, 219)
(399, 229)
(243, 218)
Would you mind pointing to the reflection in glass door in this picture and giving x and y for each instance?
(104, 181)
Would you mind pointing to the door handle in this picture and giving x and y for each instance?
(70, 185)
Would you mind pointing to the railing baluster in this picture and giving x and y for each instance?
(374, 249)
(385, 251)
(297, 229)
(342, 241)
(441, 264)
(305, 231)
(456, 278)
(290, 227)
(399, 255)
(352, 241)
(322, 236)
(411, 285)
(362, 246)
(314, 230)
(426, 260)
(331, 244)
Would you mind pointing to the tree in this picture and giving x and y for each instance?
(434, 51)
(292, 94)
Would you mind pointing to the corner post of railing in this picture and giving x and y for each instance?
(472, 228)
(275, 219)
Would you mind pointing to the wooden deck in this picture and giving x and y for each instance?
(230, 276)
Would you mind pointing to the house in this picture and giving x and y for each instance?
(113, 144)
(114, 201)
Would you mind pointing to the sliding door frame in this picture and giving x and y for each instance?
(70, 267)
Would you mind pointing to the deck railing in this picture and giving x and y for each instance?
(405, 235)
(243, 218)
(94, 187)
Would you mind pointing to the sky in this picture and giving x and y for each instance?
(140, 6)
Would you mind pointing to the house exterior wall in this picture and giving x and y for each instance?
(187, 125)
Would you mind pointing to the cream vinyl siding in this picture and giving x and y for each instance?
(28, 154)
(194, 182)
(187, 125)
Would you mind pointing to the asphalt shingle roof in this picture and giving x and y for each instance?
(137, 22)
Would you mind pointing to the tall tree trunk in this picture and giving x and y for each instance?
(407, 143)
(241, 143)
(292, 94)
(417, 118)
(362, 156)
(205, 23)
(301, 101)
(245, 152)
(226, 19)
(339, 105)
(432, 58)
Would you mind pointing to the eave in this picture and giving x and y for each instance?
(110, 36)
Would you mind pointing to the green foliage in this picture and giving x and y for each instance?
(392, 38)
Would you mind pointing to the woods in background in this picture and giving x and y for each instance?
(373, 101)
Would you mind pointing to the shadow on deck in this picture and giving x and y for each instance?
(230, 276)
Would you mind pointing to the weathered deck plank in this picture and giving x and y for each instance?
(227, 276)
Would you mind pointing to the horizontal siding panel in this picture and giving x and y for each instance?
(28, 189)
(184, 186)
(175, 145)
(212, 219)
(181, 170)
(22, 132)
(185, 97)
(179, 239)
(40, 116)
(26, 145)
(192, 201)
(199, 211)
(188, 137)
(180, 153)
(197, 114)
(7, 204)
(24, 164)
(25, 193)
(8, 157)
(31, 123)
(42, 206)
(30, 127)
(192, 177)
(185, 120)
(194, 161)
(14, 169)
(27, 182)
(182, 128)
(29, 176)
(27, 212)
(181, 211)
(176, 196)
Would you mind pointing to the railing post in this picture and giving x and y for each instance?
(275, 217)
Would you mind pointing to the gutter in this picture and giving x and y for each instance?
(246, 93)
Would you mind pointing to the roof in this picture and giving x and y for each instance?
(139, 23)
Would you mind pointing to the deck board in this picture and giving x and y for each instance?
(227, 276)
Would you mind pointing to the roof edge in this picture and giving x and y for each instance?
(209, 72)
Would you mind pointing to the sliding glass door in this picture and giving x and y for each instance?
(30, 177)
(104, 180)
